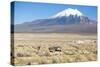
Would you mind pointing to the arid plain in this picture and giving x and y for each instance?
(47, 48)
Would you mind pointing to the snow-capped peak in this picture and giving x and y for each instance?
(68, 12)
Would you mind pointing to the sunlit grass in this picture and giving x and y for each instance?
(33, 48)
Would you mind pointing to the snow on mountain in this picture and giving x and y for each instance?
(68, 12)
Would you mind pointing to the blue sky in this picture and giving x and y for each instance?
(30, 11)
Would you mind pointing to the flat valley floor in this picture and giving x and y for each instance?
(48, 48)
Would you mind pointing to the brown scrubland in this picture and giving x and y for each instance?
(47, 48)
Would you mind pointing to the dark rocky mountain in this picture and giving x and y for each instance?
(69, 20)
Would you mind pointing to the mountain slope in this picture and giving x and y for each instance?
(68, 20)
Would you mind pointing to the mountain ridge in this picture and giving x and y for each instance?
(69, 22)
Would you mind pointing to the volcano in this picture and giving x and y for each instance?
(68, 20)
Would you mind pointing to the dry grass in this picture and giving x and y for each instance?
(33, 48)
